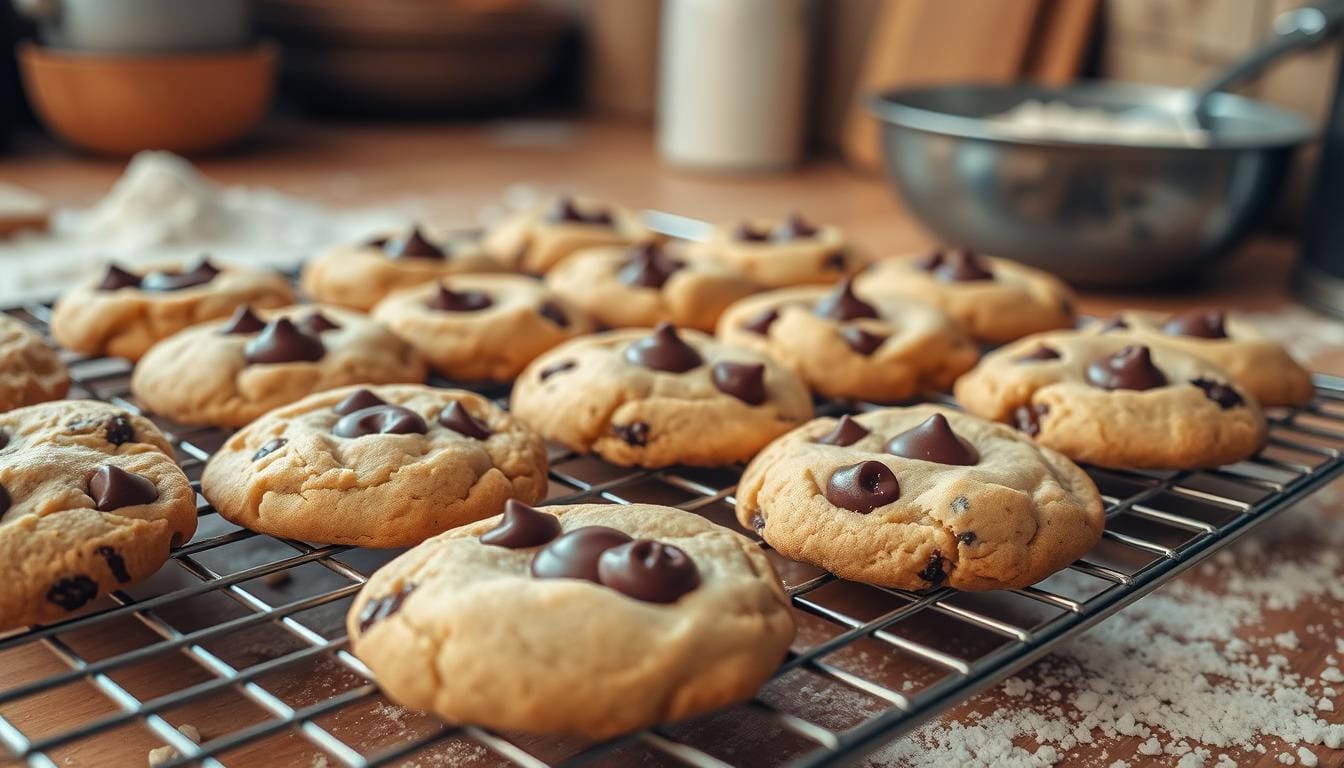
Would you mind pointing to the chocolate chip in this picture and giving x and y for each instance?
(5, 501)
(202, 273)
(1041, 352)
(457, 418)
(933, 571)
(847, 431)
(378, 242)
(761, 322)
(933, 440)
(277, 579)
(381, 420)
(795, 227)
(1028, 417)
(521, 527)
(564, 211)
(115, 563)
(575, 555)
(861, 341)
(745, 381)
(967, 537)
(380, 608)
(282, 342)
(1202, 324)
(862, 487)
(959, 265)
(116, 278)
(412, 245)
(747, 232)
(663, 350)
(647, 266)
(1130, 368)
(448, 300)
(648, 570)
(271, 446)
(357, 401)
(1114, 323)
(112, 487)
(72, 593)
(242, 322)
(552, 311)
(554, 368)
(758, 522)
(841, 304)
(120, 431)
(836, 261)
(4, 438)
(1225, 396)
(316, 324)
(635, 433)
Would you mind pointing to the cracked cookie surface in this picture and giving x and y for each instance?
(985, 508)
(1109, 399)
(779, 254)
(657, 398)
(382, 466)
(534, 240)
(468, 630)
(30, 370)
(90, 501)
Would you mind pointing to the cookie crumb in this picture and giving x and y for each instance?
(277, 579)
(160, 755)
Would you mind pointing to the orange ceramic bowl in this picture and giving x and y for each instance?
(120, 104)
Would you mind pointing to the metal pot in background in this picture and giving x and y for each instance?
(141, 26)
(1320, 275)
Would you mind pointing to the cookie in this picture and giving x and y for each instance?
(921, 497)
(90, 502)
(995, 300)
(535, 240)
(123, 314)
(1256, 362)
(1112, 401)
(784, 253)
(852, 345)
(361, 275)
(643, 285)
(229, 373)
(590, 620)
(481, 327)
(381, 466)
(30, 370)
(652, 399)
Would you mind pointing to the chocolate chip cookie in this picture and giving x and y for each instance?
(90, 501)
(361, 275)
(657, 398)
(535, 240)
(381, 466)
(123, 313)
(1114, 401)
(482, 327)
(921, 497)
(1260, 365)
(592, 620)
(777, 254)
(995, 300)
(229, 373)
(643, 285)
(30, 370)
(849, 344)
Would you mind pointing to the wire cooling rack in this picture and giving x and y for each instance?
(241, 635)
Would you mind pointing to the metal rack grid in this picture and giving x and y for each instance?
(905, 656)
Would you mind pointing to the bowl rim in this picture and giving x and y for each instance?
(894, 107)
(259, 50)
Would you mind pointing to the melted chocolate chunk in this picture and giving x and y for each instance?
(460, 420)
(647, 266)
(760, 323)
(380, 608)
(967, 537)
(381, 420)
(112, 487)
(552, 311)
(120, 431)
(1130, 368)
(933, 440)
(1114, 323)
(412, 245)
(635, 433)
(522, 527)
(1041, 352)
(1027, 418)
(5, 501)
(795, 227)
(841, 304)
(648, 570)
(73, 592)
(933, 571)
(861, 341)
(958, 266)
(448, 300)
(745, 381)
(847, 431)
(282, 342)
(554, 368)
(117, 278)
(663, 350)
(575, 555)
(1201, 324)
(746, 232)
(115, 563)
(563, 211)
(270, 447)
(316, 324)
(200, 274)
(1225, 396)
(836, 261)
(242, 322)
(357, 401)
(863, 487)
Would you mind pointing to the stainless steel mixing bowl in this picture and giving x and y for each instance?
(1092, 213)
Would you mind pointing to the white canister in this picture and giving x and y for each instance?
(732, 82)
